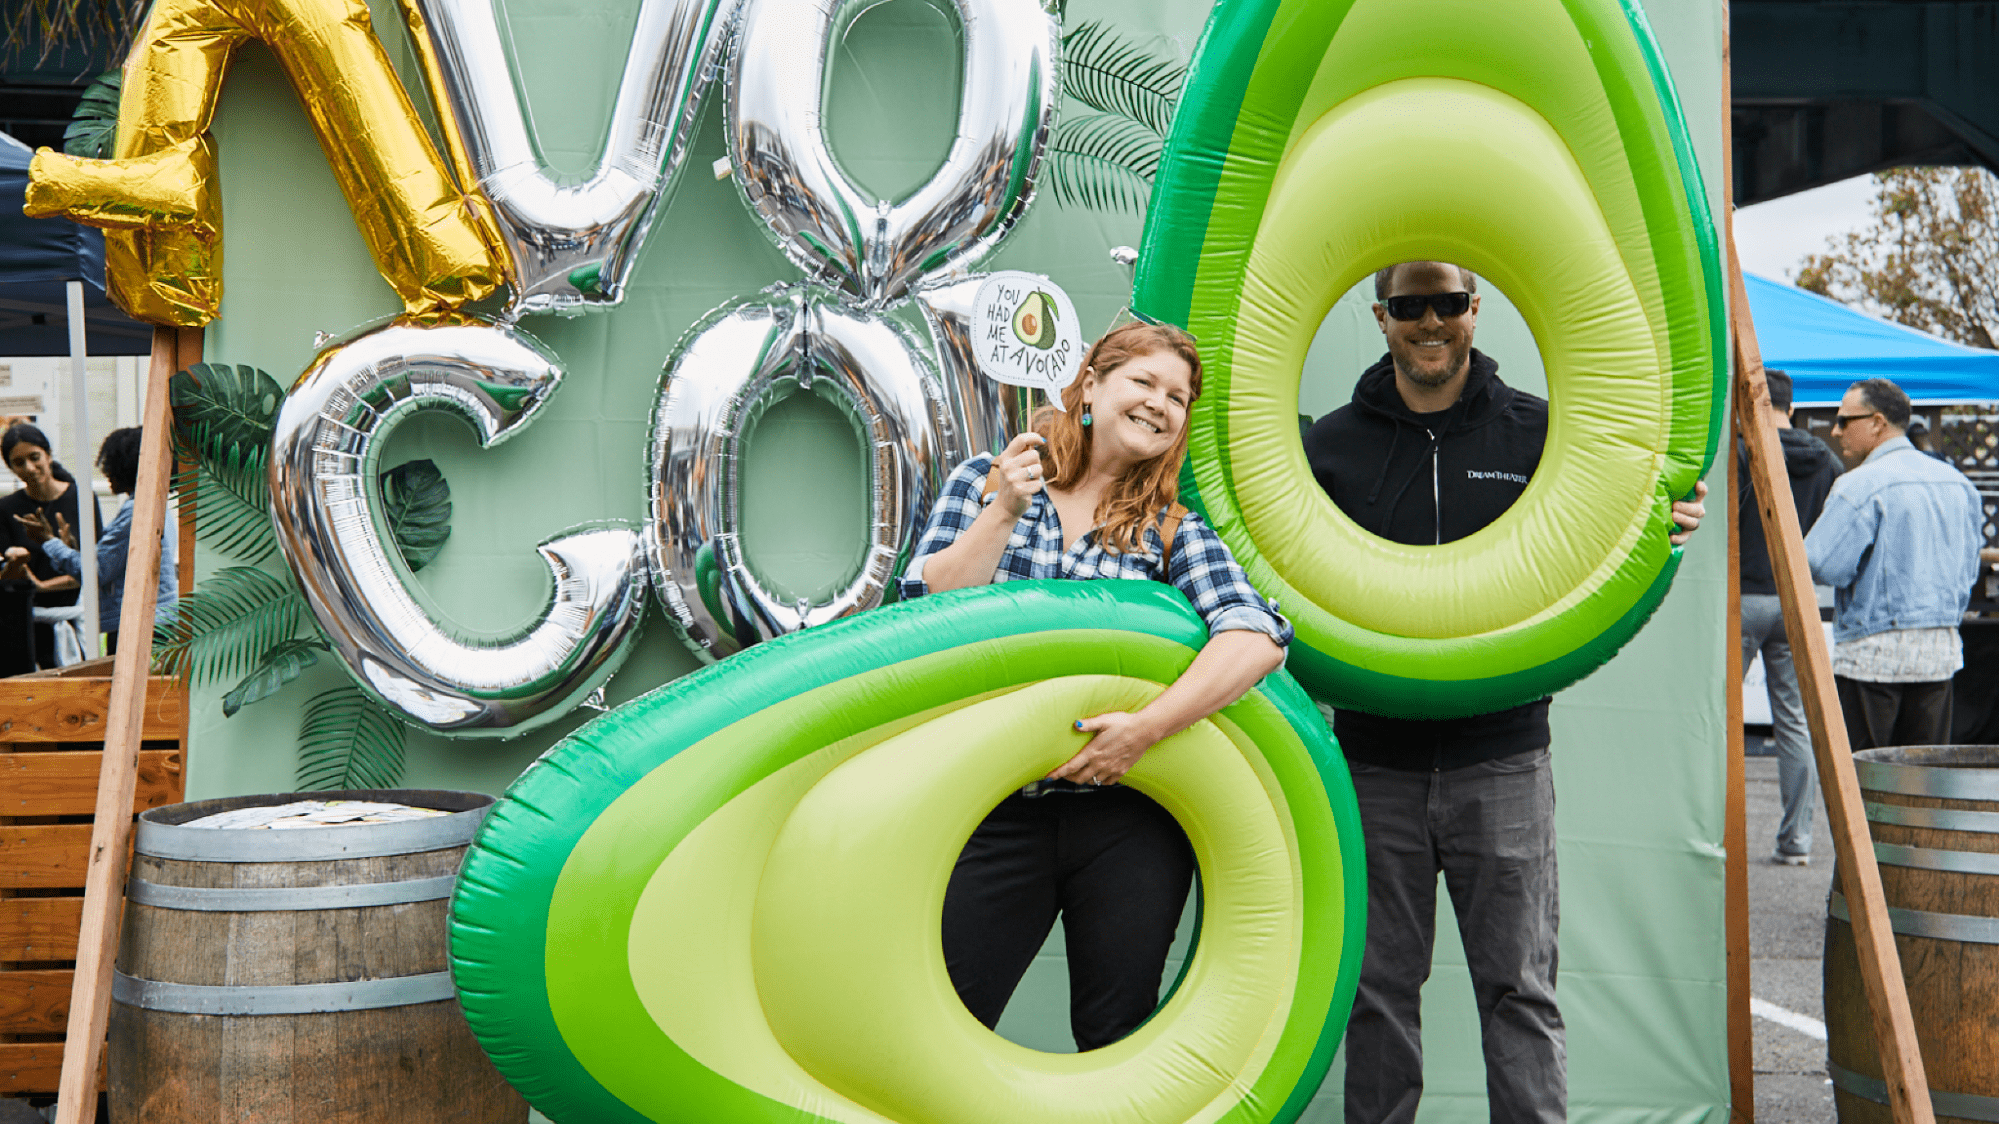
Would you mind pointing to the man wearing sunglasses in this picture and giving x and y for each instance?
(1432, 448)
(1898, 542)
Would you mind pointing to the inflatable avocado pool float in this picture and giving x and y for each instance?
(1537, 142)
(722, 901)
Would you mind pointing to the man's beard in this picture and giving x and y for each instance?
(1430, 378)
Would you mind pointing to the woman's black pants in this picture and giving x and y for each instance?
(1115, 866)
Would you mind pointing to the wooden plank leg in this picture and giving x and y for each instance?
(97, 943)
(1859, 875)
(1735, 835)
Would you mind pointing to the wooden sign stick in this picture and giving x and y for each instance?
(111, 835)
(1859, 875)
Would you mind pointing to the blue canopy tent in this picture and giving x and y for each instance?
(1827, 347)
(38, 257)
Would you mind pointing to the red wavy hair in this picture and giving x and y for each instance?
(1139, 497)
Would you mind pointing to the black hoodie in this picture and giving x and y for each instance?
(1813, 466)
(1431, 478)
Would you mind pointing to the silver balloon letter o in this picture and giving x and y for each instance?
(324, 456)
(871, 247)
(732, 364)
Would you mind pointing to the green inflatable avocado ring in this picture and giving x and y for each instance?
(1537, 142)
(721, 902)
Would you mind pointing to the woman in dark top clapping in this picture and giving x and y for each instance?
(49, 490)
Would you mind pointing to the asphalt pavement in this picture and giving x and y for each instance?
(1786, 940)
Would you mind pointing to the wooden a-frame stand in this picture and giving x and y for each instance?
(1859, 875)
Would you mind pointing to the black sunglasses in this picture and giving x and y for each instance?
(1840, 420)
(1411, 307)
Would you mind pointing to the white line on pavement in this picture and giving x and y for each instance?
(1787, 1017)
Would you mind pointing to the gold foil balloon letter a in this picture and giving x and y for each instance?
(157, 197)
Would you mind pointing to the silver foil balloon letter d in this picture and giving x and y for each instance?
(324, 499)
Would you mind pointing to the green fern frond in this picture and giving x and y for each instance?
(231, 497)
(224, 628)
(1111, 74)
(1104, 162)
(285, 662)
(346, 741)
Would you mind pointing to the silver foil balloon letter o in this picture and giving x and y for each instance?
(873, 248)
(328, 441)
(732, 365)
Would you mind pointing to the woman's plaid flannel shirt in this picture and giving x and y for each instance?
(1201, 567)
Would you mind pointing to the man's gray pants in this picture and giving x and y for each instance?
(1797, 774)
(1490, 829)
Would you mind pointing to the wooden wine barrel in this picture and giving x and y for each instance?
(297, 974)
(1933, 812)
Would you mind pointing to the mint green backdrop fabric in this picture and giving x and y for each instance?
(1638, 746)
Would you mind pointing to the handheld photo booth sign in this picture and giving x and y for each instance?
(1026, 332)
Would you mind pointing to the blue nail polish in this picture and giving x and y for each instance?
(1079, 724)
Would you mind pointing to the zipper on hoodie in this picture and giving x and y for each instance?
(1436, 492)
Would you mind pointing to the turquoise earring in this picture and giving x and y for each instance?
(1085, 419)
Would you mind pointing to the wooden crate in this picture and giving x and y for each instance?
(51, 742)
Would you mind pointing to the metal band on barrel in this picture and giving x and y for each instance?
(347, 896)
(1971, 1107)
(1923, 923)
(225, 845)
(1922, 816)
(279, 999)
(1939, 780)
(1936, 859)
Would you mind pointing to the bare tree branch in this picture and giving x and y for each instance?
(1928, 258)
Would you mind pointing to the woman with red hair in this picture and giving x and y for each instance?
(1091, 492)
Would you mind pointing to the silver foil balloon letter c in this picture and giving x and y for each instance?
(324, 454)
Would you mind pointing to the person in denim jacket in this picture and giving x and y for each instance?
(119, 458)
(1898, 542)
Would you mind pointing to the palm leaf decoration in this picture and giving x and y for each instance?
(416, 502)
(232, 500)
(1111, 74)
(1103, 162)
(217, 407)
(228, 625)
(93, 128)
(281, 665)
(346, 741)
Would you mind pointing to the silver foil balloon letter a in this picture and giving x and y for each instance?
(572, 244)
(325, 500)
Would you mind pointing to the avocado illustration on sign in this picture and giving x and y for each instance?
(1034, 320)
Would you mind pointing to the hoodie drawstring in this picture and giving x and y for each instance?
(1394, 436)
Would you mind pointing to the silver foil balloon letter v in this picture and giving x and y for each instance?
(572, 245)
